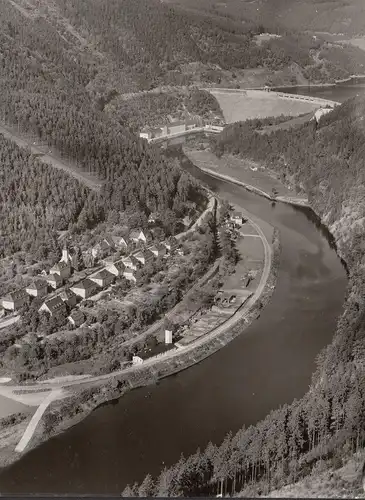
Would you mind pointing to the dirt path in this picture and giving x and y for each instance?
(51, 159)
(29, 431)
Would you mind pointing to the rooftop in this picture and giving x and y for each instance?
(37, 285)
(85, 284)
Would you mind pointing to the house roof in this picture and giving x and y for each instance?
(103, 274)
(67, 294)
(236, 214)
(119, 239)
(54, 304)
(37, 285)
(16, 294)
(84, 284)
(54, 277)
(176, 123)
(60, 265)
(119, 265)
(135, 233)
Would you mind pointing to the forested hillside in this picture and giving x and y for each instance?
(334, 16)
(328, 423)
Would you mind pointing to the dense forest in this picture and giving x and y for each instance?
(333, 16)
(328, 423)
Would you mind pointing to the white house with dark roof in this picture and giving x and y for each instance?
(131, 262)
(138, 235)
(116, 268)
(15, 300)
(103, 248)
(129, 275)
(37, 289)
(170, 244)
(158, 250)
(120, 242)
(54, 281)
(237, 218)
(69, 298)
(103, 278)
(63, 269)
(85, 288)
(142, 257)
(54, 306)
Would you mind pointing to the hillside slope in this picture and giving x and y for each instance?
(327, 424)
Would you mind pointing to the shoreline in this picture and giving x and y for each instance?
(115, 386)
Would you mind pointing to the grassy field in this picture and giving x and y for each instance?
(239, 106)
(9, 406)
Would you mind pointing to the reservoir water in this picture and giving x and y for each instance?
(271, 363)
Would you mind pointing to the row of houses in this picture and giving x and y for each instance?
(125, 267)
(175, 127)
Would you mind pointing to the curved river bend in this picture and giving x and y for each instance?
(270, 364)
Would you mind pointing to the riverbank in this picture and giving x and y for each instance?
(245, 173)
(81, 400)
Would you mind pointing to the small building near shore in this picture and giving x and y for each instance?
(237, 218)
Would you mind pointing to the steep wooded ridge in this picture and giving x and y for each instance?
(334, 16)
(44, 94)
(115, 47)
(328, 423)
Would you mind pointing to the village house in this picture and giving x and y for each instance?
(15, 300)
(129, 275)
(131, 262)
(63, 269)
(120, 242)
(54, 281)
(103, 248)
(103, 278)
(142, 257)
(76, 318)
(54, 306)
(237, 218)
(37, 289)
(138, 360)
(116, 268)
(138, 235)
(158, 250)
(85, 288)
(170, 244)
(69, 298)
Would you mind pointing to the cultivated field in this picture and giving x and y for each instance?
(237, 106)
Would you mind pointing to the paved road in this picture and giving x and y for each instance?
(7, 390)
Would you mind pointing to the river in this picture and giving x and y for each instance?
(270, 364)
